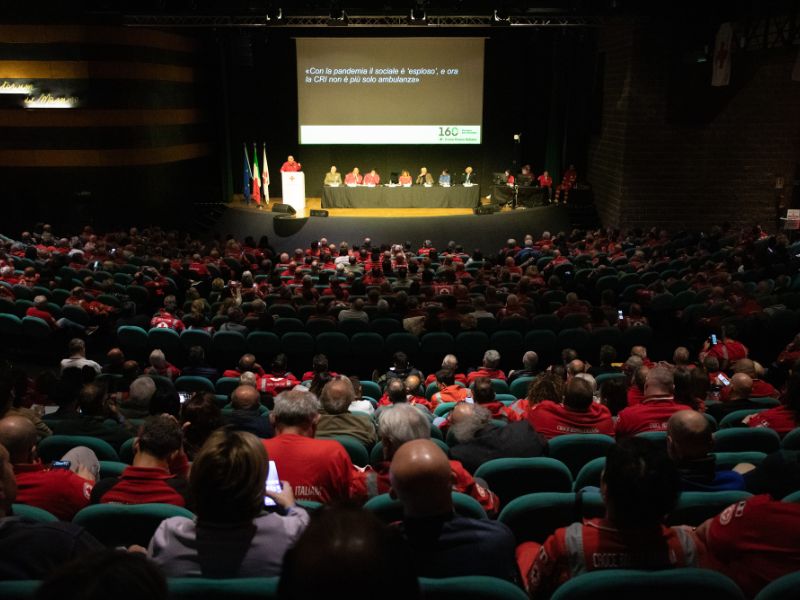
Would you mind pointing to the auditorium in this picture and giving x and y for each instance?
(404, 300)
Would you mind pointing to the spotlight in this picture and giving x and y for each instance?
(500, 18)
(337, 18)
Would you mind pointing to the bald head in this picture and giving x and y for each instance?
(688, 435)
(18, 435)
(422, 479)
(462, 411)
(245, 397)
(746, 366)
(741, 386)
(575, 366)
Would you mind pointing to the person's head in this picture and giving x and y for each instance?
(396, 391)
(483, 391)
(659, 382)
(356, 171)
(608, 354)
(741, 386)
(337, 396)
(422, 479)
(226, 483)
(450, 362)
(197, 356)
(445, 377)
(640, 376)
(40, 302)
(200, 415)
(639, 351)
(333, 168)
(579, 395)
(319, 364)
(77, 347)
(18, 436)
(245, 397)
(160, 438)
(467, 419)
(568, 355)
(746, 366)
(530, 360)
(290, 158)
(711, 364)
(346, 548)
(639, 485)
(423, 170)
(491, 359)
(295, 411)
(413, 383)
(681, 356)
(141, 391)
(574, 367)
(105, 574)
(548, 386)
(157, 359)
(614, 394)
(689, 436)
(93, 400)
(247, 362)
(399, 424)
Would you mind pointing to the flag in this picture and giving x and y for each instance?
(265, 174)
(721, 68)
(248, 177)
(256, 179)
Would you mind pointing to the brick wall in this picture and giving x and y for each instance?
(715, 158)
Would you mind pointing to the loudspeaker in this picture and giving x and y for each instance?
(284, 208)
(485, 209)
(318, 213)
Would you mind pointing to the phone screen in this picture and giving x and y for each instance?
(273, 483)
(724, 380)
(61, 464)
(184, 396)
(619, 315)
(713, 339)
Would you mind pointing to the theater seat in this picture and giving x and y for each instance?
(782, 588)
(33, 513)
(628, 584)
(473, 587)
(355, 449)
(376, 455)
(19, 590)
(519, 387)
(576, 450)
(749, 439)
(55, 446)
(734, 419)
(193, 383)
(390, 510)
(201, 588)
(791, 441)
(511, 478)
(122, 525)
(534, 517)
(695, 507)
(590, 474)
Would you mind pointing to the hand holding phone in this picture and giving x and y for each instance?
(713, 339)
(277, 492)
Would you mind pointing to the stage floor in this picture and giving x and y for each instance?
(440, 225)
(316, 204)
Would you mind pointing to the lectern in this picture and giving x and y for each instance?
(294, 190)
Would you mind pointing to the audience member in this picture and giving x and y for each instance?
(246, 412)
(336, 419)
(653, 413)
(200, 416)
(77, 357)
(784, 418)
(99, 417)
(530, 362)
(489, 369)
(579, 413)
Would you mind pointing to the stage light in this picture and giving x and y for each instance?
(418, 16)
(500, 18)
(337, 18)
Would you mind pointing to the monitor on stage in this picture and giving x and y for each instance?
(390, 90)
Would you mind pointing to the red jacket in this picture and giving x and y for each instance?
(318, 470)
(761, 389)
(484, 372)
(141, 485)
(43, 315)
(372, 482)
(59, 491)
(754, 541)
(780, 419)
(552, 419)
(651, 415)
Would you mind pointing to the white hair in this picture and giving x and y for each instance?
(401, 423)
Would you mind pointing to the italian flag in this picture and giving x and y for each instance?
(265, 175)
(256, 193)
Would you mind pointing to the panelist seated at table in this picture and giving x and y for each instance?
(372, 178)
(333, 177)
(424, 178)
(444, 178)
(509, 178)
(354, 177)
(405, 178)
(469, 177)
(290, 166)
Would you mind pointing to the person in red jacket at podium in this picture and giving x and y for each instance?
(290, 166)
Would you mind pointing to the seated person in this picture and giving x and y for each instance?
(448, 390)
(160, 366)
(397, 425)
(530, 361)
(99, 417)
(761, 389)
(405, 178)
(753, 542)
(784, 418)
(489, 368)
(336, 419)
(354, 177)
(246, 414)
(62, 492)
(449, 363)
(579, 413)
(737, 398)
(444, 178)
(148, 479)
(639, 487)
(233, 535)
(689, 445)
(444, 544)
(33, 550)
(469, 177)
(476, 440)
(653, 413)
(372, 178)
(318, 470)
(424, 178)
(333, 177)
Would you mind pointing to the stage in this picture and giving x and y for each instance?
(440, 225)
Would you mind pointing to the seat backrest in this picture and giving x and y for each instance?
(627, 584)
(511, 478)
(782, 588)
(244, 588)
(390, 509)
(750, 439)
(733, 419)
(590, 474)
(576, 450)
(33, 513)
(55, 446)
(122, 525)
(471, 587)
(534, 517)
(695, 507)
(791, 441)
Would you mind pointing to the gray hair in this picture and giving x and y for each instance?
(141, 390)
(248, 378)
(592, 381)
(401, 423)
(464, 430)
(295, 407)
(157, 358)
(530, 359)
(491, 358)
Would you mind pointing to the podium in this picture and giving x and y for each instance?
(294, 190)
